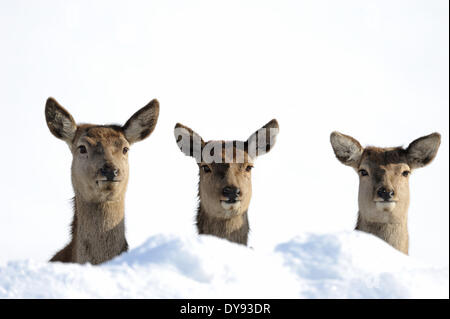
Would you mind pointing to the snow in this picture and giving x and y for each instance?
(312, 265)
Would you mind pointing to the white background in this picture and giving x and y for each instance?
(376, 70)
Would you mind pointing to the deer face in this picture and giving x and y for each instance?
(383, 185)
(225, 186)
(100, 163)
(384, 174)
(100, 153)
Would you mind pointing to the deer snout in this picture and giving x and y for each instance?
(385, 194)
(231, 192)
(109, 171)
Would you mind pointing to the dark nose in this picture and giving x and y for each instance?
(231, 192)
(109, 171)
(385, 193)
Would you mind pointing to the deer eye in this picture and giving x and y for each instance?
(363, 172)
(206, 169)
(82, 149)
(125, 150)
(248, 168)
(406, 173)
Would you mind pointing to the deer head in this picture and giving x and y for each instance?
(384, 174)
(100, 152)
(225, 187)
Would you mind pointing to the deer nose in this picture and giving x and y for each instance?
(109, 171)
(231, 192)
(385, 193)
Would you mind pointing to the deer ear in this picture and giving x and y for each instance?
(189, 142)
(423, 150)
(59, 121)
(142, 123)
(347, 150)
(263, 140)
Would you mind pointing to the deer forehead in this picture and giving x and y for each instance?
(223, 169)
(228, 152)
(382, 161)
(106, 136)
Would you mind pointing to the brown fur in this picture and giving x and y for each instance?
(388, 169)
(215, 215)
(234, 229)
(98, 226)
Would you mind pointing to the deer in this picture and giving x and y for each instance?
(99, 175)
(383, 197)
(225, 184)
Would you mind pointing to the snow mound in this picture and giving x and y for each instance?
(359, 265)
(341, 265)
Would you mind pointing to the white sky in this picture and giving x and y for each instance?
(377, 70)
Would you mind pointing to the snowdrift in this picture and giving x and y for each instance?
(340, 265)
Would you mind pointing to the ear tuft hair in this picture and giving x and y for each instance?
(347, 149)
(423, 150)
(263, 140)
(189, 142)
(59, 121)
(142, 123)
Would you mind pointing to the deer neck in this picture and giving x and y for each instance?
(395, 234)
(234, 229)
(98, 230)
